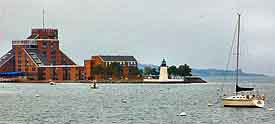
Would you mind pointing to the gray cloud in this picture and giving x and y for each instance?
(197, 32)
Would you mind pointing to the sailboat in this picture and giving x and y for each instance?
(239, 99)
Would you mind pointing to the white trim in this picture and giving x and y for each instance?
(44, 39)
(59, 66)
(101, 58)
(34, 28)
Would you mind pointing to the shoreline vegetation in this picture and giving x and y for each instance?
(115, 74)
(101, 81)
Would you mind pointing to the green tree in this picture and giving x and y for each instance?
(172, 70)
(141, 72)
(97, 70)
(154, 72)
(150, 71)
(147, 70)
(116, 69)
(184, 70)
(134, 70)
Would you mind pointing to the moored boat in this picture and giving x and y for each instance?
(238, 99)
(52, 82)
(244, 101)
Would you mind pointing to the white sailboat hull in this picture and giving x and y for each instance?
(229, 102)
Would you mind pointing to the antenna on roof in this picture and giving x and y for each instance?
(43, 12)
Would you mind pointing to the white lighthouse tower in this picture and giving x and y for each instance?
(163, 75)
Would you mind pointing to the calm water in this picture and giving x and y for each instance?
(126, 104)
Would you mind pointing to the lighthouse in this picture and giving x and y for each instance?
(163, 75)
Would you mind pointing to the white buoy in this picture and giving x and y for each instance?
(270, 109)
(209, 104)
(182, 114)
(37, 95)
(124, 101)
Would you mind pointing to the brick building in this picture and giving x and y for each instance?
(39, 58)
(127, 68)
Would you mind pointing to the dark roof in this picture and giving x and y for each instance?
(6, 57)
(118, 58)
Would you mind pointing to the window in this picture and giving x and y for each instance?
(19, 60)
(44, 37)
(19, 51)
(54, 62)
(53, 51)
(44, 53)
(33, 46)
(44, 45)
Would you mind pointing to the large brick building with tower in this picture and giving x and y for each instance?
(39, 58)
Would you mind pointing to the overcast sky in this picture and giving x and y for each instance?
(196, 32)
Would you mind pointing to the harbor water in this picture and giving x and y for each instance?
(127, 104)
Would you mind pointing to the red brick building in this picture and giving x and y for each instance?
(40, 58)
(127, 68)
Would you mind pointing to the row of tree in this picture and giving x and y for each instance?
(114, 69)
(181, 70)
(150, 71)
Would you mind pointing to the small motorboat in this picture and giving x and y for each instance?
(93, 86)
(52, 82)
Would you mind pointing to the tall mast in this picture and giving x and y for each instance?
(43, 18)
(238, 50)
